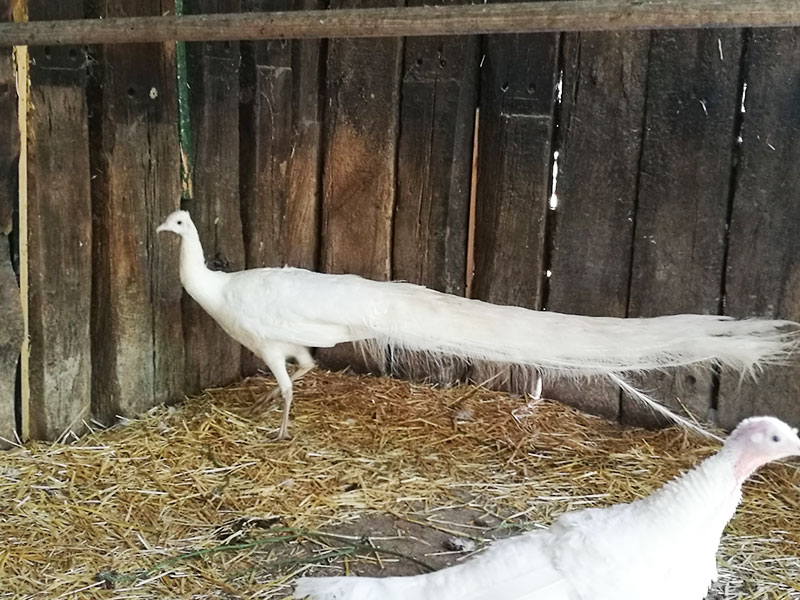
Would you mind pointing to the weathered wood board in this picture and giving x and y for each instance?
(763, 268)
(11, 335)
(684, 190)
(518, 92)
(212, 357)
(604, 84)
(136, 323)
(11, 324)
(281, 150)
(434, 173)
(360, 152)
(59, 233)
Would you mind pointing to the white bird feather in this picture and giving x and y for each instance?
(278, 313)
(662, 547)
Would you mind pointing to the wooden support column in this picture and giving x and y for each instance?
(359, 164)
(59, 233)
(439, 95)
(763, 274)
(212, 357)
(136, 324)
(601, 122)
(684, 178)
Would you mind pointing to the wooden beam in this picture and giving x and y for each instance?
(560, 15)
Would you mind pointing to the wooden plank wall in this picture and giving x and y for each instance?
(762, 277)
(604, 81)
(11, 323)
(59, 232)
(690, 129)
(357, 156)
(438, 99)
(515, 148)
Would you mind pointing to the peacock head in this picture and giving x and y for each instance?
(760, 440)
(178, 222)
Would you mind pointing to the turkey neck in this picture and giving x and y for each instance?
(712, 486)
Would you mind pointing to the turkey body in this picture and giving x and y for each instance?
(660, 548)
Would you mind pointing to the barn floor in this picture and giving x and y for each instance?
(382, 476)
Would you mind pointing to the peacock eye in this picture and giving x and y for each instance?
(775, 438)
(180, 222)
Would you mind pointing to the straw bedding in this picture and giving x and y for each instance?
(195, 501)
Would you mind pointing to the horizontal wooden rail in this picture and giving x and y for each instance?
(572, 15)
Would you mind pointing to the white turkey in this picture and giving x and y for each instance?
(278, 313)
(662, 547)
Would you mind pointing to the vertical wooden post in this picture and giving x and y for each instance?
(434, 172)
(518, 91)
(281, 149)
(360, 154)
(59, 232)
(137, 329)
(692, 103)
(763, 275)
(212, 357)
(11, 324)
(601, 124)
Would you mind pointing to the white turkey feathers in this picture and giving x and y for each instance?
(278, 313)
(662, 547)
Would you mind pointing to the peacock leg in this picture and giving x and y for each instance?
(276, 361)
(304, 364)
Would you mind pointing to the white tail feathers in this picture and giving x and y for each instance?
(416, 318)
(409, 317)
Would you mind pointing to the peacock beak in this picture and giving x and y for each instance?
(163, 227)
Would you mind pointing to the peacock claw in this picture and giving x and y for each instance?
(281, 437)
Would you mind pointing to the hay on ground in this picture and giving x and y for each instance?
(196, 501)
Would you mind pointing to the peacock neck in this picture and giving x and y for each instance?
(193, 263)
